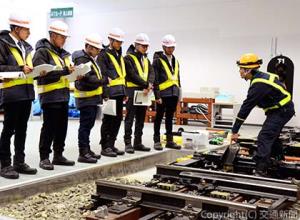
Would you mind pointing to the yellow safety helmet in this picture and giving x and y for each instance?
(249, 61)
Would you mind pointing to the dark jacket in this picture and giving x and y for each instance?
(132, 74)
(9, 64)
(42, 56)
(161, 76)
(89, 82)
(262, 95)
(108, 70)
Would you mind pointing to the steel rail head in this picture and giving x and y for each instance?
(179, 168)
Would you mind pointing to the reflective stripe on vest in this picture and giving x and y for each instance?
(20, 61)
(172, 79)
(120, 70)
(142, 74)
(63, 82)
(271, 82)
(86, 94)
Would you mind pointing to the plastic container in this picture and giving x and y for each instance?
(195, 140)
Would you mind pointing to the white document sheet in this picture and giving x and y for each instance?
(109, 107)
(80, 70)
(43, 67)
(32, 74)
(141, 99)
(11, 75)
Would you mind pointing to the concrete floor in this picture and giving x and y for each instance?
(71, 149)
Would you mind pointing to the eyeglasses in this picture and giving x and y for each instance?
(95, 48)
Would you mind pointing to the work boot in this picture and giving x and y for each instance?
(261, 169)
(260, 173)
(97, 156)
(86, 157)
(117, 151)
(59, 159)
(9, 173)
(46, 164)
(108, 152)
(141, 147)
(129, 149)
(111, 144)
(128, 146)
(24, 168)
(157, 144)
(171, 144)
(137, 145)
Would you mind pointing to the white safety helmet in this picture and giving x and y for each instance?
(142, 38)
(59, 27)
(168, 41)
(19, 19)
(117, 34)
(94, 40)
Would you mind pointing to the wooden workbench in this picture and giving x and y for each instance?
(183, 117)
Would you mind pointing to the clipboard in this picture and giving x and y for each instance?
(139, 99)
(109, 107)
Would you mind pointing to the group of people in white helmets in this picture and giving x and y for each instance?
(112, 76)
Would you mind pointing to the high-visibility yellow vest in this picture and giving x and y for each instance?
(21, 62)
(172, 79)
(271, 81)
(142, 74)
(63, 82)
(86, 94)
(120, 70)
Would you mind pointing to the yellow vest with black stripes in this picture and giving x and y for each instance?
(120, 70)
(172, 78)
(142, 74)
(63, 82)
(86, 94)
(21, 62)
(271, 80)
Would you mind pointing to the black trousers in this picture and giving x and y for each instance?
(134, 112)
(268, 143)
(168, 107)
(54, 129)
(16, 115)
(111, 124)
(87, 121)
